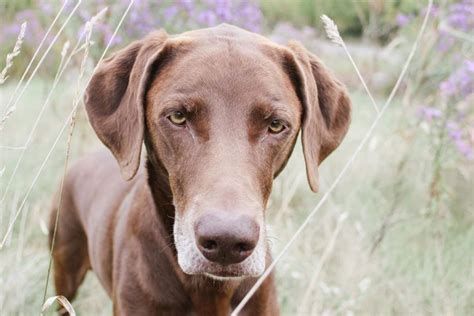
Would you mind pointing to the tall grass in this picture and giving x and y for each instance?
(14, 99)
(405, 275)
(15, 52)
(394, 238)
(333, 34)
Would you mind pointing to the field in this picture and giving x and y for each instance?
(395, 236)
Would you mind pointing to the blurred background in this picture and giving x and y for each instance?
(396, 236)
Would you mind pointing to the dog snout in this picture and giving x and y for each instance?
(226, 240)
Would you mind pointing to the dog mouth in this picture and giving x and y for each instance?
(224, 277)
(234, 271)
(196, 264)
(192, 261)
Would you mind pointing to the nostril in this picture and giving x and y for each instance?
(243, 247)
(209, 244)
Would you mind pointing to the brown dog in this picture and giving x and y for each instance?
(219, 111)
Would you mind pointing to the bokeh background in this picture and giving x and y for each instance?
(396, 237)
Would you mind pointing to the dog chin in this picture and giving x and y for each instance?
(193, 263)
(217, 271)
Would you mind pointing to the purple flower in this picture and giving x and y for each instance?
(85, 15)
(402, 19)
(469, 64)
(46, 7)
(12, 29)
(460, 82)
(243, 13)
(456, 135)
(465, 149)
(35, 30)
(223, 10)
(188, 5)
(207, 18)
(107, 32)
(170, 12)
(460, 16)
(141, 20)
(453, 130)
(250, 15)
(434, 12)
(429, 113)
(447, 87)
(445, 42)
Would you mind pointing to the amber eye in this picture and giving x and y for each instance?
(177, 118)
(276, 126)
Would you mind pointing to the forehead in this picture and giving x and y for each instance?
(228, 70)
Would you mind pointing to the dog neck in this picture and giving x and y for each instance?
(213, 296)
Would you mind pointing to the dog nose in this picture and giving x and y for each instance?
(226, 240)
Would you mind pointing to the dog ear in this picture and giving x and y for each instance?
(115, 96)
(326, 110)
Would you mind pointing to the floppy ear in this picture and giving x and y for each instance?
(326, 110)
(115, 99)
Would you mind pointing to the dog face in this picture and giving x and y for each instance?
(220, 109)
(222, 131)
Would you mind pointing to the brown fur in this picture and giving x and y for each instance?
(229, 81)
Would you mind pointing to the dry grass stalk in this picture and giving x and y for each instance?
(333, 34)
(77, 99)
(40, 45)
(326, 253)
(10, 108)
(331, 30)
(15, 52)
(61, 300)
(59, 72)
(63, 128)
(346, 167)
(87, 32)
(287, 198)
(22, 236)
(61, 69)
(12, 147)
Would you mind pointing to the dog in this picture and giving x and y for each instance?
(180, 229)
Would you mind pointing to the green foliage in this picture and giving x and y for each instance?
(10, 7)
(374, 19)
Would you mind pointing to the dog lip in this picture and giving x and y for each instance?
(221, 272)
(226, 273)
(224, 277)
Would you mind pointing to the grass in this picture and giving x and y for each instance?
(402, 249)
(422, 265)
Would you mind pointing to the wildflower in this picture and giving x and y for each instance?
(170, 12)
(460, 17)
(402, 19)
(223, 10)
(460, 82)
(429, 113)
(207, 18)
(456, 135)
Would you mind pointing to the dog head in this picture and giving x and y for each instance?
(220, 109)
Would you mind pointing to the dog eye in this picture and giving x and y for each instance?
(276, 126)
(177, 118)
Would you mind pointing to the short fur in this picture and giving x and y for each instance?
(136, 231)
